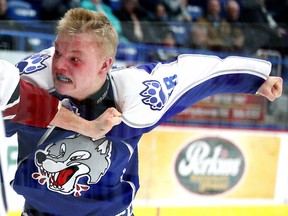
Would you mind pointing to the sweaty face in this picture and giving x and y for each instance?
(78, 71)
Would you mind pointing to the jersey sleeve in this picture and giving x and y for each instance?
(9, 81)
(31, 105)
(152, 93)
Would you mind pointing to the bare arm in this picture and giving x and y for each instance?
(96, 128)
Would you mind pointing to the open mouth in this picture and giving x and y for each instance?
(63, 78)
(59, 179)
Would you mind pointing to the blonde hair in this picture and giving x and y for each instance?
(80, 20)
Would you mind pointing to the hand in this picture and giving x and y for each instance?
(104, 123)
(271, 88)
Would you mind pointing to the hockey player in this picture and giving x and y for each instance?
(61, 172)
(36, 107)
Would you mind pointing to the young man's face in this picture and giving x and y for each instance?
(78, 70)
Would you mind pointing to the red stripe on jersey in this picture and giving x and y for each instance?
(36, 107)
(11, 110)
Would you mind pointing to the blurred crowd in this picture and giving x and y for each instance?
(234, 26)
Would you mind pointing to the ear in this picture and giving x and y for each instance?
(106, 65)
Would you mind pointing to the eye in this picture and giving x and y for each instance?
(75, 158)
(62, 150)
(75, 59)
(57, 54)
(82, 155)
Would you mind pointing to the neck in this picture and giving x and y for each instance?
(98, 96)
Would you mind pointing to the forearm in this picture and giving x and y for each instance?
(96, 128)
(68, 120)
(229, 75)
(198, 69)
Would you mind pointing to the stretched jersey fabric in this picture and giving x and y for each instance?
(23, 102)
(60, 172)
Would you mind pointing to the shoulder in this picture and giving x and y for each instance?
(37, 69)
(35, 62)
(140, 94)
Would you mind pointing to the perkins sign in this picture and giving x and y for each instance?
(209, 166)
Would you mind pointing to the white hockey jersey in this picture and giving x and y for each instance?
(61, 172)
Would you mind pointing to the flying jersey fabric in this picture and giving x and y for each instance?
(61, 172)
(31, 105)
(17, 95)
(9, 79)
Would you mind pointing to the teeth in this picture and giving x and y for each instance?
(56, 176)
(63, 78)
(55, 187)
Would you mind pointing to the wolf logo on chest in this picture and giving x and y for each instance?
(62, 164)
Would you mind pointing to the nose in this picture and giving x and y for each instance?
(59, 65)
(60, 70)
(40, 157)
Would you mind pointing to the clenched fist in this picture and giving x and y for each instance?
(271, 88)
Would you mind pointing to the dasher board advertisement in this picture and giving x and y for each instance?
(196, 166)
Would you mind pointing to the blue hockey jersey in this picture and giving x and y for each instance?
(64, 173)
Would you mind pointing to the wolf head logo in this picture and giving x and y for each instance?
(62, 164)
